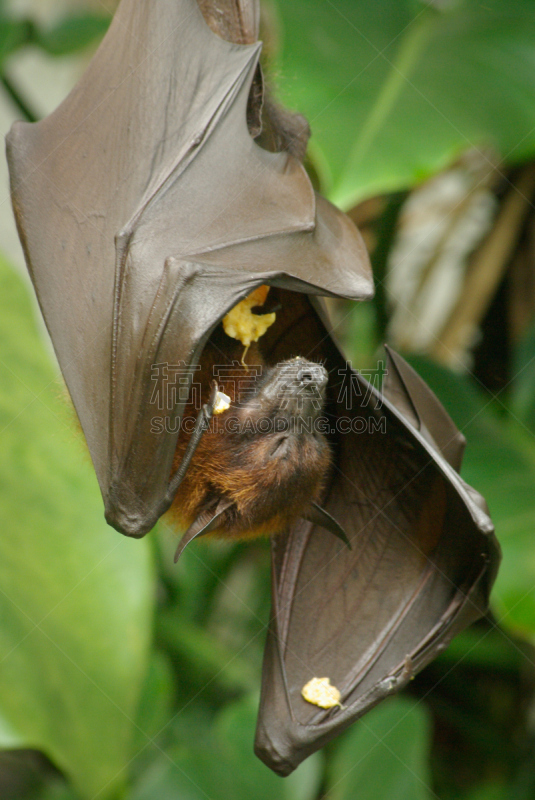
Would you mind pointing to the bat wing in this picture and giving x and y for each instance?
(146, 212)
(422, 562)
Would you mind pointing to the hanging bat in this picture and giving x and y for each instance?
(147, 212)
(264, 448)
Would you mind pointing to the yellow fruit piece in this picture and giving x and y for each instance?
(319, 692)
(222, 402)
(240, 323)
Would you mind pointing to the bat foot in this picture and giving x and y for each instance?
(319, 516)
(205, 523)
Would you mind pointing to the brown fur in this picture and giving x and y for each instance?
(268, 491)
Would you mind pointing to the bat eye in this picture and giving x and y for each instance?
(312, 374)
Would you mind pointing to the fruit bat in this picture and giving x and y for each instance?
(147, 210)
(259, 451)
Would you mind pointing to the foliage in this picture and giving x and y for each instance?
(394, 90)
(387, 752)
(139, 682)
(75, 601)
(67, 35)
(500, 463)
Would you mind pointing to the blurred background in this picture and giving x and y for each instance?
(124, 677)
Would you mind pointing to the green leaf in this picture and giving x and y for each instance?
(9, 738)
(523, 389)
(384, 755)
(155, 708)
(217, 762)
(199, 651)
(198, 574)
(72, 33)
(75, 597)
(14, 33)
(57, 790)
(493, 791)
(503, 470)
(485, 650)
(394, 90)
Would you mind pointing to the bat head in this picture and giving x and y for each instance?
(265, 458)
(292, 389)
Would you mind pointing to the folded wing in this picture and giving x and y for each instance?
(422, 561)
(146, 211)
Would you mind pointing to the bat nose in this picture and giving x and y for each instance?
(295, 379)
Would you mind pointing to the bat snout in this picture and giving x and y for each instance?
(293, 380)
(301, 372)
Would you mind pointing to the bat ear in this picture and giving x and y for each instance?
(204, 523)
(319, 516)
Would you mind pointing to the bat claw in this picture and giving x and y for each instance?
(319, 516)
(206, 522)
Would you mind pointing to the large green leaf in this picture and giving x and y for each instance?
(215, 760)
(75, 597)
(500, 465)
(523, 384)
(393, 90)
(14, 33)
(72, 33)
(384, 755)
